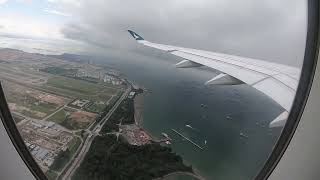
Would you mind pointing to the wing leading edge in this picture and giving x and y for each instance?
(277, 81)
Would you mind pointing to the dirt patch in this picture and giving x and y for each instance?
(82, 116)
(59, 101)
(24, 110)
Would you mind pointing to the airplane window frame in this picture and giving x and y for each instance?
(16, 138)
(305, 83)
(303, 90)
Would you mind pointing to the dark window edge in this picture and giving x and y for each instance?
(307, 73)
(303, 90)
(16, 139)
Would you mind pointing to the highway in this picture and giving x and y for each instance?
(92, 134)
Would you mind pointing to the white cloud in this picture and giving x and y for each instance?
(66, 2)
(15, 24)
(25, 1)
(269, 29)
(3, 1)
(55, 12)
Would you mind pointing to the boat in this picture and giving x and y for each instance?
(243, 135)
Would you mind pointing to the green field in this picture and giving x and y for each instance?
(65, 156)
(33, 104)
(74, 85)
(51, 175)
(62, 118)
(58, 117)
(79, 89)
(96, 107)
(74, 144)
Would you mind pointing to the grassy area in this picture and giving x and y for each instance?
(103, 95)
(31, 105)
(80, 86)
(74, 85)
(61, 160)
(44, 107)
(64, 118)
(64, 156)
(96, 107)
(124, 113)
(51, 175)
(58, 117)
(74, 144)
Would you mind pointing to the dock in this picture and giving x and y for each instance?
(195, 144)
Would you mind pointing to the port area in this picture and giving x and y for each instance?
(189, 140)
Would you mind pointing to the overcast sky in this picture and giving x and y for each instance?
(272, 30)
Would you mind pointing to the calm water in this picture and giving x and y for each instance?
(176, 98)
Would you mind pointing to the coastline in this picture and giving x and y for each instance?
(194, 175)
(138, 117)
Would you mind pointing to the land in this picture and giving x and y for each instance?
(124, 150)
(73, 119)
(81, 121)
(54, 102)
(111, 159)
(45, 140)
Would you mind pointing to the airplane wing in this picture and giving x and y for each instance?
(277, 81)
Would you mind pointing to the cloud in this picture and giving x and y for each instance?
(270, 29)
(66, 2)
(55, 12)
(3, 1)
(15, 25)
(25, 1)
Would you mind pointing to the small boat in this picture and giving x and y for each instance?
(205, 142)
(189, 126)
(203, 105)
(243, 135)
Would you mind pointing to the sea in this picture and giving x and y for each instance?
(230, 123)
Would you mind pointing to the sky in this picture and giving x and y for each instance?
(272, 30)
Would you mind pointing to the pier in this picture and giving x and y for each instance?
(195, 144)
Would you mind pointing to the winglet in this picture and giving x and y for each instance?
(135, 35)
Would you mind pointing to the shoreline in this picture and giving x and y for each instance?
(138, 117)
(197, 176)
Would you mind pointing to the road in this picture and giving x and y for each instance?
(92, 134)
(47, 117)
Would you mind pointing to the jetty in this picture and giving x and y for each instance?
(195, 144)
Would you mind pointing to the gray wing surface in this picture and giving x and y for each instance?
(277, 81)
